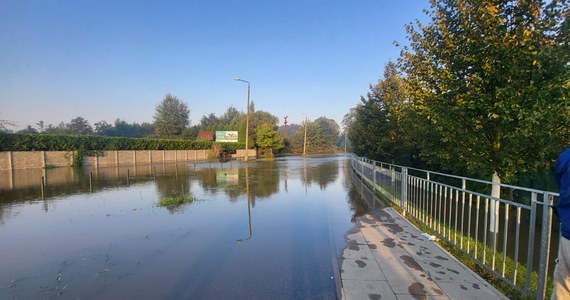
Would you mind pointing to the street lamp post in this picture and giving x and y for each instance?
(246, 119)
(305, 138)
(345, 141)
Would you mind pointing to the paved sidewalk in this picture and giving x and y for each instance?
(388, 258)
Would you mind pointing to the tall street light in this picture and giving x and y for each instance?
(246, 120)
(305, 138)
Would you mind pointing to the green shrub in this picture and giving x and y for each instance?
(45, 142)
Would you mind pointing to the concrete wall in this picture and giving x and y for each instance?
(240, 153)
(11, 160)
(31, 178)
(58, 158)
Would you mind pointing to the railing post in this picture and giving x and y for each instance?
(404, 194)
(374, 176)
(532, 230)
(545, 236)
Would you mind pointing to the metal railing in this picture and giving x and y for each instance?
(509, 236)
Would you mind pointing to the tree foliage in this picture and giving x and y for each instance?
(232, 117)
(489, 85)
(291, 129)
(322, 135)
(257, 119)
(268, 138)
(29, 130)
(79, 126)
(4, 124)
(376, 125)
(171, 117)
(209, 120)
(232, 120)
(124, 129)
(370, 127)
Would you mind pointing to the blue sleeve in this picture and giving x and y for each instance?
(562, 165)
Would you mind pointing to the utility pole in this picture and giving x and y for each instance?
(345, 141)
(285, 127)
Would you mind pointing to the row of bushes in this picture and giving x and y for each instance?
(44, 142)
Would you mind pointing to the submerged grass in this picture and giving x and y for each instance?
(176, 200)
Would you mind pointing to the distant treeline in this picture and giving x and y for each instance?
(57, 142)
(171, 130)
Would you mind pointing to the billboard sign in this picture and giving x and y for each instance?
(227, 136)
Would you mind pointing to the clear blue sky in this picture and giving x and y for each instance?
(104, 60)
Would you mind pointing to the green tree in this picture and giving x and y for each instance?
(268, 138)
(209, 120)
(232, 117)
(257, 119)
(171, 117)
(190, 133)
(103, 128)
(322, 135)
(292, 129)
(231, 120)
(62, 128)
(489, 85)
(79, 126)
(122, 128)
(369, 126)
(376, 125)
(29, 130)
(347, 121)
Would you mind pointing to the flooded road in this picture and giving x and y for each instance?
(255, 230)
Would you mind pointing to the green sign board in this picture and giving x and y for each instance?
(227, 136)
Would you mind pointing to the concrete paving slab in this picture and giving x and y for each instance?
(425, 250)
(358, 269)
(388, 260)
(355, 238)
(410, 281)
(447, 271)
(472, 291)
(373, 234)
(357, 289)
(392, 260)
(358, 251)
(416, 297)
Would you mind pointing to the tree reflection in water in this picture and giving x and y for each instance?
(321, 173)
(170, 179)
(117, 231)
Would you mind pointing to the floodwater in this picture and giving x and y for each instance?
(256, 230)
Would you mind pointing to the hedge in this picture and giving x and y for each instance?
(60, 142)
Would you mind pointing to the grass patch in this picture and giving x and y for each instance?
(174, 201)
(176, 204)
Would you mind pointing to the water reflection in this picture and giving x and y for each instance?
(322, 173)
(248, 207)
(170, 180)
(257, 229)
